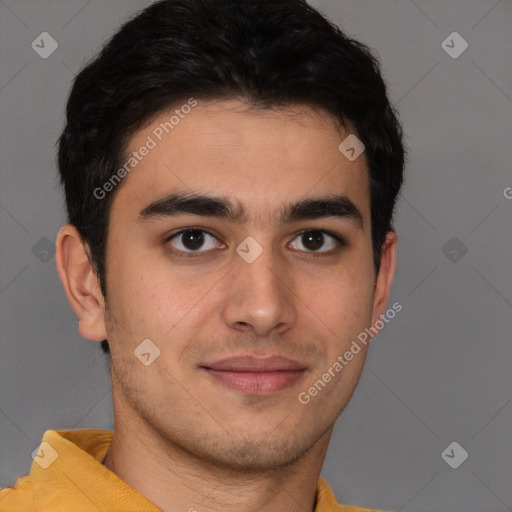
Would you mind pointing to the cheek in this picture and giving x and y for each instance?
(150, 296)
(344, 301)
(344, 309)
(350, 284)
(347, 310)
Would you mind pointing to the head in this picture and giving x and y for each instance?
(227, 117)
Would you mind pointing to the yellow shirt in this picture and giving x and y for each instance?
(68, 475)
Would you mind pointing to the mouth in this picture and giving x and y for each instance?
(256, 375)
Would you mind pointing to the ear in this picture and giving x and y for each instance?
(81, 283)
(385, 276)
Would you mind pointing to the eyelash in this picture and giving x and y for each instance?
(339, 239)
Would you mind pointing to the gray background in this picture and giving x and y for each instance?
(439, 372)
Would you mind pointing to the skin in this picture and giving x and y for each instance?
(181, 438)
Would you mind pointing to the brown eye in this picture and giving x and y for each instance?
(313, 239)
(191, 240)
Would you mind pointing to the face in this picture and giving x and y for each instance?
(247, 304)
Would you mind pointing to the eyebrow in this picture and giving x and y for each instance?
(191, 203)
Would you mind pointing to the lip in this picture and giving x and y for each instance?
(256, 375)
(249, 363)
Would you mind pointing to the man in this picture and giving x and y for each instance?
(230, 169)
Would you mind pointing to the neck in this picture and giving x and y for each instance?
(176, 480)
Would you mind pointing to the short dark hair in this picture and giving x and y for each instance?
(269, 53)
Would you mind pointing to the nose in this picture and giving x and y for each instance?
(261, 296)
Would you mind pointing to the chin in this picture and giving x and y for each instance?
(254, 451)
(251, 456)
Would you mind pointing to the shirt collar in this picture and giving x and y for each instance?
(70, 463)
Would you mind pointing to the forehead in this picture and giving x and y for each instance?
(260, 158)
